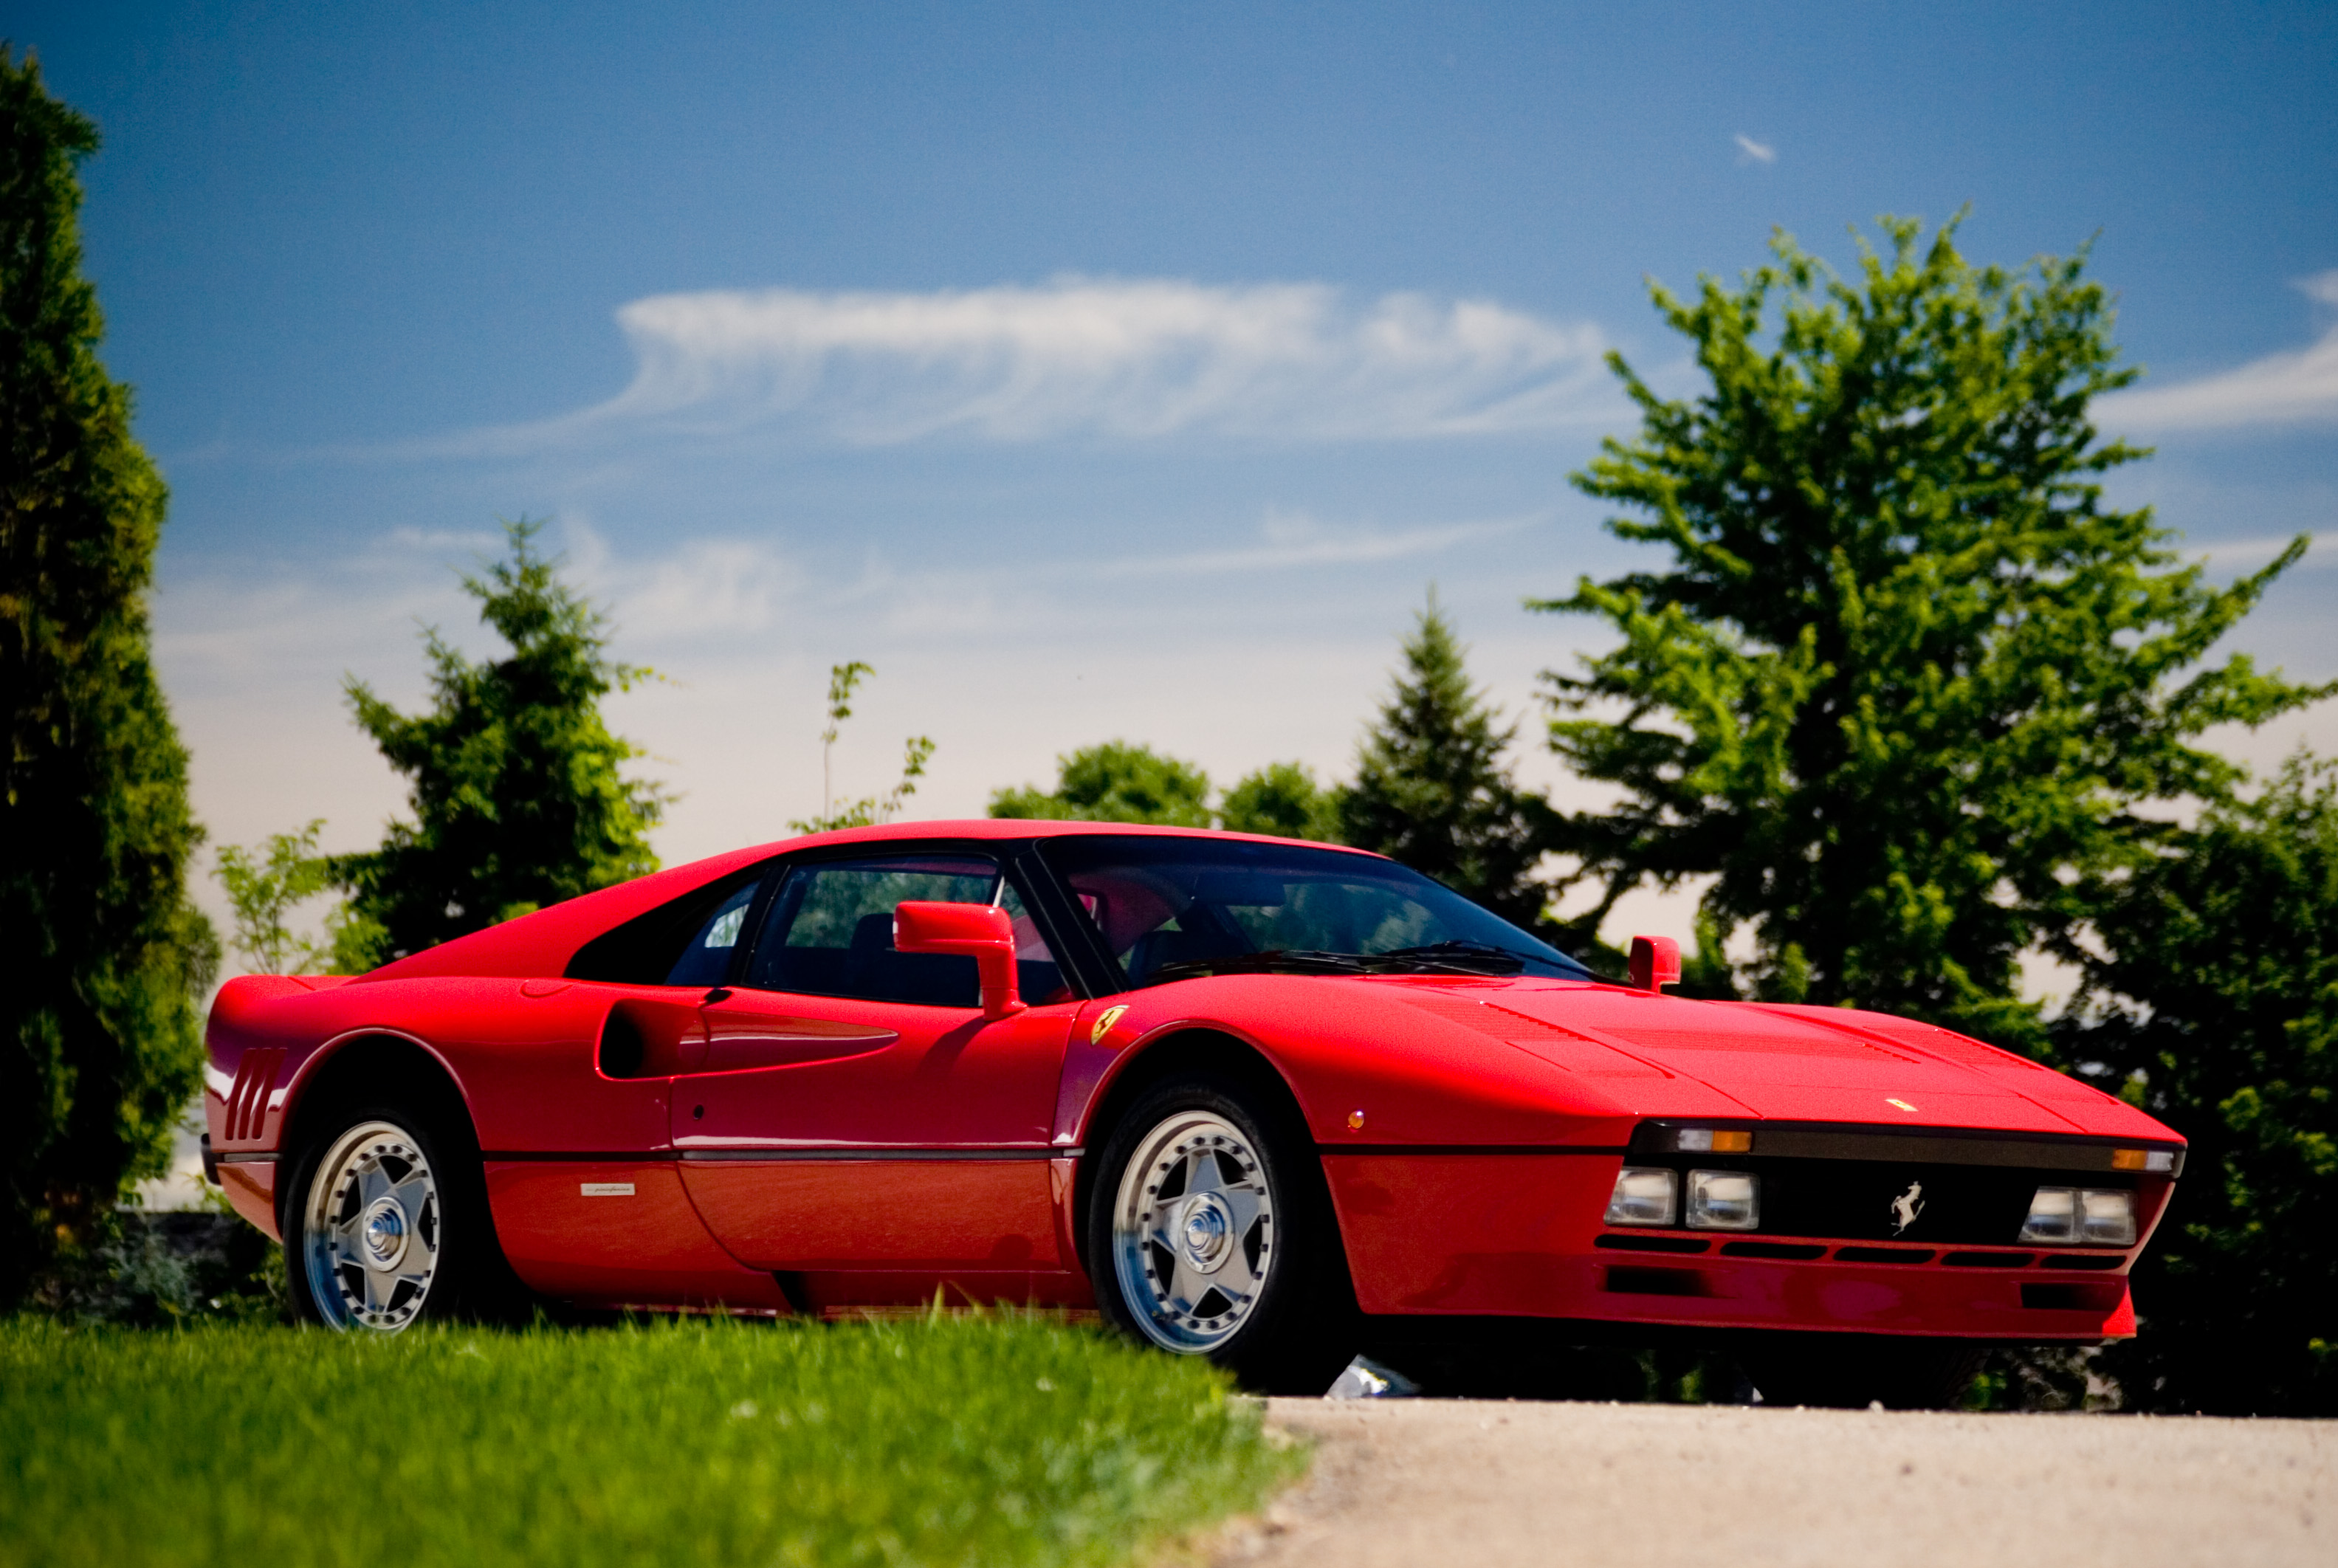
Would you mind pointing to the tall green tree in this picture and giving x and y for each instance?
(1115, 783)
(1905, 680)
(99, 1045)
(516, 785)
(2211, 999)
(1431, 788)
(1283, 800)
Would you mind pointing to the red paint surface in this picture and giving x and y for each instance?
(648, 1247)
(879, 1214)
(1381, 1065)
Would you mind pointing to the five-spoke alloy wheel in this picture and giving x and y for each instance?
(370, 1232)
(1209, 1232)
(1192, 1232)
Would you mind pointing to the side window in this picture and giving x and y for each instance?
(706, 960)
(831, 933)
(685, 941)
(1037, 976)
(830, 930)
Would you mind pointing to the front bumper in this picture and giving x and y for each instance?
(1513, 1234)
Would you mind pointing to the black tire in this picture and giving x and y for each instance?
(1265, 1285)
(1853, 1371)
(411, 1166)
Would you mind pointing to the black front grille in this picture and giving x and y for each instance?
(1867, 1199)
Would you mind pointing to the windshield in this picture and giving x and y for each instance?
(1169, 908)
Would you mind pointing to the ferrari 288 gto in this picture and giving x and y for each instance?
(1257, 1100)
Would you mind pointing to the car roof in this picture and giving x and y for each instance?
(1022, 828)
(542, 942)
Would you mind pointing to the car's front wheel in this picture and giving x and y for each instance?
(1210, 1234)
(385, 1223)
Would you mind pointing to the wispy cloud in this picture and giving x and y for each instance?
(1123, 359)
(1752, 151)
(1297, 539)
(2296, 388)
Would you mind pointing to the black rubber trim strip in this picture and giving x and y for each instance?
(1469, 1148)
(1917, 1145)
(233, 1159)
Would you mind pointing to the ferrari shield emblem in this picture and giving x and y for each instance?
(1105, 1021)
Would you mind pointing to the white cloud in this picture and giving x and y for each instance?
(1136, 361)
(1752, 151)
(1298, 539)
(2295, 388)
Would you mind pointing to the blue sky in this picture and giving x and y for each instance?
(1091, 370)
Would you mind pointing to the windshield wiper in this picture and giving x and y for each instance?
(1483, 956)
(1440, 958)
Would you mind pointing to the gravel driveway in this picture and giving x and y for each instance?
(1434, 1480)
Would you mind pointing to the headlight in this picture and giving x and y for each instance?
(1644, 1195)
(2108, 1216)
(1724, 1200)
(2053, 1217)
(2080, 1216)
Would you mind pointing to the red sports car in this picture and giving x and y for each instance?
(1264, 1101)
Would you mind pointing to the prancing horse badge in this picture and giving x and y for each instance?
(1906, 1206)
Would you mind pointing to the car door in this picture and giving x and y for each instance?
(855, 1121)
(574, 1123)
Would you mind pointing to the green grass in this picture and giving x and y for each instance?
(1000, 1439)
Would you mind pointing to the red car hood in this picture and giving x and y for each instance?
(1799, 1064)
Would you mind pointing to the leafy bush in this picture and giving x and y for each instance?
(2215, 1005)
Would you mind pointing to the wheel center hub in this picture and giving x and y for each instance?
(1206, 1232)
(385, 1233)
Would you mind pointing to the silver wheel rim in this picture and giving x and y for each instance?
(371, 1230)
(1193, 1232)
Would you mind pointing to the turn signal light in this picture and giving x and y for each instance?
(2162, 1160)
(1713, 1140)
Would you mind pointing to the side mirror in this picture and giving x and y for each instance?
(1655, 963)
(982, 932)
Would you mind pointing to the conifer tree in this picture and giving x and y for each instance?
(99, 1045)
(517, 795)
(1431, 788)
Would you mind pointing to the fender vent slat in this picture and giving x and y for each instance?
(247, 1106)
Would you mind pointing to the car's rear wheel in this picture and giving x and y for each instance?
(1852, 1371)
(1210, 1233)
(386, 1223)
